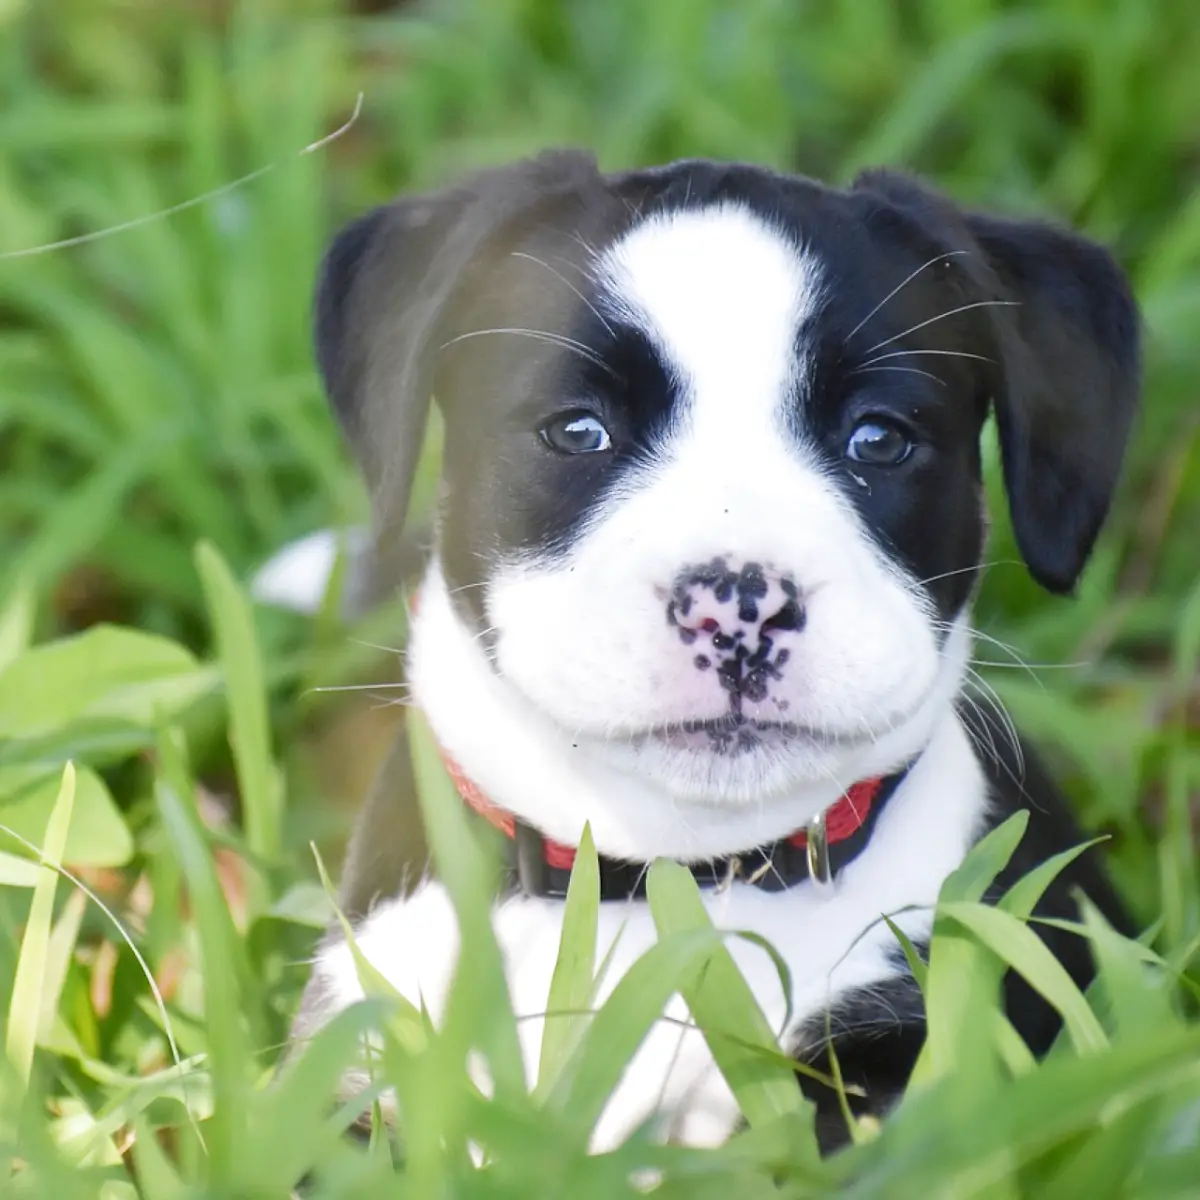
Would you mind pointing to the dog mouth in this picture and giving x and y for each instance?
(734, 734)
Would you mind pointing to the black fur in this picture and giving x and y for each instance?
(877, 1033)
(1068, 367)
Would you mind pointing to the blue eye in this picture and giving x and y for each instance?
(576, 433)
(878, 443)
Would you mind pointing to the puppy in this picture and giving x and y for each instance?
(710, 523)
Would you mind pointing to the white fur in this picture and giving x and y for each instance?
(920, 837)
(534, 766)
(585, 662)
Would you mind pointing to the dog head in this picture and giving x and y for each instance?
(711, 499)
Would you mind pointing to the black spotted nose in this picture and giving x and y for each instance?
(739, 602)
(738, 618)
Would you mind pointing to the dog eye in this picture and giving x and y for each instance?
(576, 433)
(878, 443)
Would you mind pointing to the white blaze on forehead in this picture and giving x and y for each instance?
(722, 294)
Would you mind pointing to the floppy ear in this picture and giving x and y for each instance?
(1069, 370)
(1071, 383)
(385, 289)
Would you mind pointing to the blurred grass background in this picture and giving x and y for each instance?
(157, 385)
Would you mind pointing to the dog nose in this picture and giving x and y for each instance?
(736, 616)
(716, 598)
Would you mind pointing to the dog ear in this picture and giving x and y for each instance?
(1071, 382)
(1069, 370)
(385, 289)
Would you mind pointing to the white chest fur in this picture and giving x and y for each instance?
(832, 940)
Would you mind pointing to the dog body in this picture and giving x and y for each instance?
(710, 524)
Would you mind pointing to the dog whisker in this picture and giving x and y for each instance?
(376, 646)
(905, 370)
(1030, 667)
(583, 268)
(466, 587)
(989, 693)
(937, 258)
(1011, 651)
(540, 335)
(567, 283)
(586, 246)
(991, 750)
(983, 566)
(940, 353)
(962, 308)
(1008, 726)
(1009, 731)
(356, 687)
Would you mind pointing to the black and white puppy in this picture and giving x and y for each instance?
(710, 524)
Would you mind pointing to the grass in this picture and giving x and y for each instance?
(163, 433)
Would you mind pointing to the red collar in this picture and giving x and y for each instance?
(542, 866)
(843, 819)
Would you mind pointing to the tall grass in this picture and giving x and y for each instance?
(157, 392)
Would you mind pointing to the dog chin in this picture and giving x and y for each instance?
(730, 764)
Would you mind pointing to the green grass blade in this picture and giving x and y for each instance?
(985, 860)
(962, 981)
(1102, 1164)
(157, 1178)
(916, 964)
(16, 623)
(961, 997)
(249, 728)
(1178, 849)
(99, 834)
(571, 986)
(59, 951)
(1020, 948)
(951, 1144)
(1017, 1056)
(296, 1116)
(479, 1005)
(722, 1004)
(25, 1003)
(621, 1024)
(1138, 1002)
(1022, 898)
(406, 1022)
(17, 872)
(478, 1023)
(80, 517)
(221, 956)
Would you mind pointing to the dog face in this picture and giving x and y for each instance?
(711, 497)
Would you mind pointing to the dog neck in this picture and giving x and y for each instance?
(528, 766)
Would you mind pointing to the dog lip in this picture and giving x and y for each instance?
(736, 723)
(728, 724)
